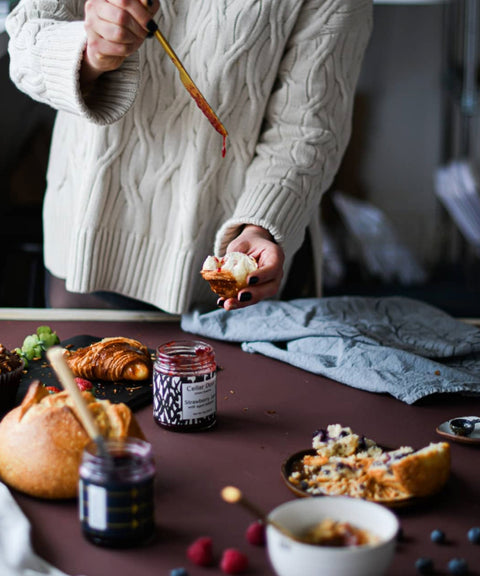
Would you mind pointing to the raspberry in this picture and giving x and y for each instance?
(83, 384)
(255, 533)
(52, 389)
(233, 561)
(200, 552)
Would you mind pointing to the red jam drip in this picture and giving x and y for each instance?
(210, 114)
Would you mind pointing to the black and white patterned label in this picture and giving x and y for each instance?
(184, 400)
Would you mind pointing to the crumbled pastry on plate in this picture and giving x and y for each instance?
(345, 463)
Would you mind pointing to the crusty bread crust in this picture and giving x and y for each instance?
(228, 275)
(424, 472)
(223, 283)
(42, 440)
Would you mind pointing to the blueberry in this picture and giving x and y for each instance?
(321, 433)
(437, 536)
(474, 535)
(458, 566)
(362, 444)
(178, 572)
(424, 565)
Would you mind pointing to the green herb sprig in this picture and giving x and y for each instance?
(35, 344)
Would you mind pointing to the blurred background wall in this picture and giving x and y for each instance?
(408, 122)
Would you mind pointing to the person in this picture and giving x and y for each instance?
(138, 193)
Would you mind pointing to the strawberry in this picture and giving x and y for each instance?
(255, 533)
(200, 552)
(233, 561)
(52, 389)
(83, 384)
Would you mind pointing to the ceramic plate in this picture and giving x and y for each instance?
(445, 430)
(293, 461)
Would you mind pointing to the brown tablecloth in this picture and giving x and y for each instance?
(266, 411)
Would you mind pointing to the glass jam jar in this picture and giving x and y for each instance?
(185, 386)
(116, 493)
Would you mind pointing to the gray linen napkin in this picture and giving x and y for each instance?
(17, 557)
(394, 345)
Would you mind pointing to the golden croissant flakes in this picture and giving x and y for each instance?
(111, 359)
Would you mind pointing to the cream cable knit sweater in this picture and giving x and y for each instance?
(138, 192)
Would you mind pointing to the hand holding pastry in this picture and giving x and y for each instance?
(265, 282)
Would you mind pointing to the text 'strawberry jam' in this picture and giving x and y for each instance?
(116, 493)
(185, 386)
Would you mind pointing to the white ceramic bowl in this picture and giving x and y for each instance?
(292, 558)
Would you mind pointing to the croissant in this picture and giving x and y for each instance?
(111, 359)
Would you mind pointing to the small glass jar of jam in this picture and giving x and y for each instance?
(185, 386)
(116, 493)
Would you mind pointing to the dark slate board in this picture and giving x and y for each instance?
(135, 394)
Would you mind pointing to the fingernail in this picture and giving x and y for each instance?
(245, 297)
(220, 302)
(252, 280)
(152, 26)
(150, 2)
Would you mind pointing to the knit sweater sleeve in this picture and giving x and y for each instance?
(46, 45)
(307, 122)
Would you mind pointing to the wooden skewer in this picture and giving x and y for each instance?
(65, 376)
(233, 495)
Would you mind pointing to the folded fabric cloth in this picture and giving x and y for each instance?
(17, 557)
(394, 345)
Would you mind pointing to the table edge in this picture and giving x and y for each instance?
(86, 314)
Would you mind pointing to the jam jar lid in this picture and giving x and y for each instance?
(185, 356)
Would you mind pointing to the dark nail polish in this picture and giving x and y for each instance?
(150, 2)
(220, 302)
(152, 26)
(245, 296)
(253, 280)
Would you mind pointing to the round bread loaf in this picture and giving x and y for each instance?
(42, 440)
